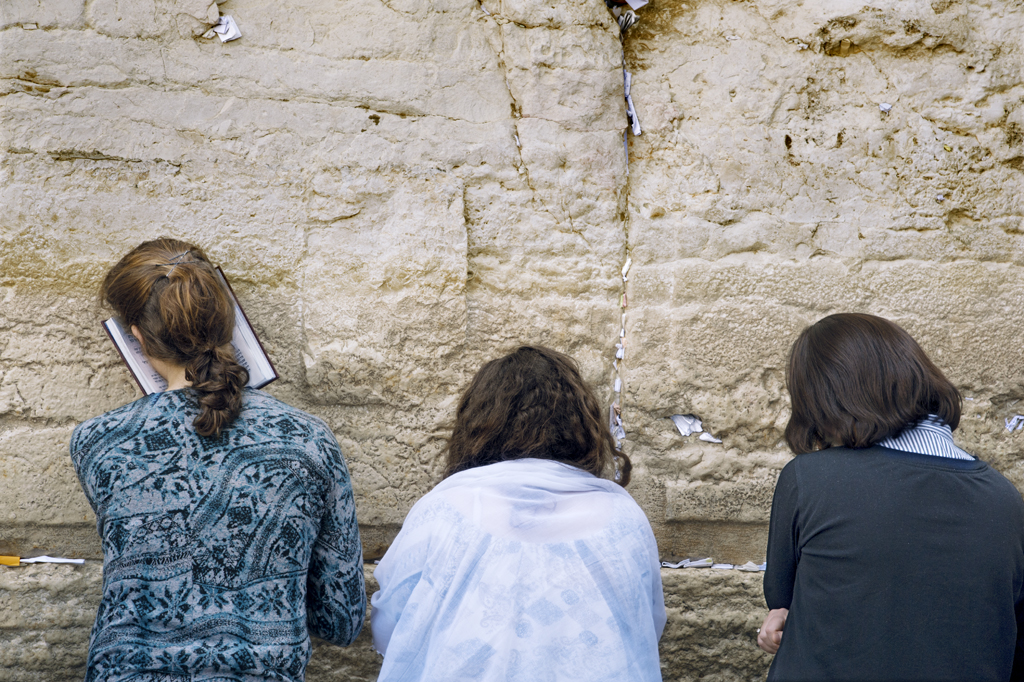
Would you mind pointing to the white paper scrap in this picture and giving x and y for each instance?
(615, 423)
(618, 385)
(636, 4)
(687, 424)
(752, 567)
(620, 351)
(689, 563)
(51, 560)
(708, 438)
(1015, 423)
(625, 268)
(227, 29)
(722, 566)
(885, 107)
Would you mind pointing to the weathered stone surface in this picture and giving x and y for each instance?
(402, 190)
(770, 189)
(713, 616)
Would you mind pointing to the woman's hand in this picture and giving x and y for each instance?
(769, 637)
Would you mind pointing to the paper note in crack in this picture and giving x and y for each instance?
(226, 29)
(687, 424)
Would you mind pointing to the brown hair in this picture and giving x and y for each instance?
(533, 403)
(857, 379)
(171, 292)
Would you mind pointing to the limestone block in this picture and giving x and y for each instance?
(48, 15)
(571, 75)
(741, 501)
(48, 612)
(38, 479)
(817, 162)
(418, 298)
(151, 18)
(713, 618)
(552, 13)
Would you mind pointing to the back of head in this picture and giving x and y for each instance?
(533, 403)
(857, 379)
(171, 292)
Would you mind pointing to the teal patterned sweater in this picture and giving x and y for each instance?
(220, 555)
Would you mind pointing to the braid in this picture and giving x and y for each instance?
(219, 380)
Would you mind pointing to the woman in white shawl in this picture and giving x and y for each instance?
(523, 563)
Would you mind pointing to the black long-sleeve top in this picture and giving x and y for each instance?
(895, 566)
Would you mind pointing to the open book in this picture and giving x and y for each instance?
(248, 351)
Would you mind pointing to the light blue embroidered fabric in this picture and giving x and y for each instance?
(521, 571)
(219, 554)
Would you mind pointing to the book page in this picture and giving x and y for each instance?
(148, 379)
(248, 351)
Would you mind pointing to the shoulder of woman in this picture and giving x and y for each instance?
(256, 403)
(88, 431)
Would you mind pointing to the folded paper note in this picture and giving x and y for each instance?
(689, 563)
(226, 29)
(687, 424)
(248, 351)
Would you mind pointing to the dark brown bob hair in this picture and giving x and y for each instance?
(857, 379)
(533, 403)
(172, 294)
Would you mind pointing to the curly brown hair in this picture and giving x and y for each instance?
(533, 403)
(172, 294)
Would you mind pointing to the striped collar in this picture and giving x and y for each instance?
(930, 436)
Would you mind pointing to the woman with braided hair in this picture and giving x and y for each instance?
(526, 562)
(227, 518)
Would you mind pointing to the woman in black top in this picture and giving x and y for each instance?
(892, 554)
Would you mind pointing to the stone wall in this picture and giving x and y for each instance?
(400, 190)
